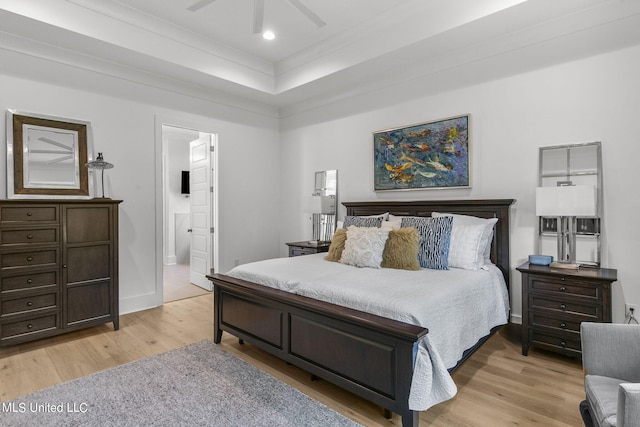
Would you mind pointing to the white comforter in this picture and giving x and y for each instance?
(457, 306)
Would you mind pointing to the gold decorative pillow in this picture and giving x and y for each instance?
(401, 249)
(337, 245)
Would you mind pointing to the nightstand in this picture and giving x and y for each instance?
(555, 301)
(306, 248)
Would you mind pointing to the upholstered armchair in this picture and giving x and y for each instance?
(611, 360)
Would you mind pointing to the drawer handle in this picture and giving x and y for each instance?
(563, 325)
(563, 289)
(29, 304)
(29, 236)
(29, 258)
(563, 344)
(563, 306)
(29, 326)
(29, 214)
(29, 281)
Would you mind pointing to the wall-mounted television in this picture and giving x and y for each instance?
(184, 184)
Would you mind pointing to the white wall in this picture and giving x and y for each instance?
(592, 99)
(266, 175)
(124, 118)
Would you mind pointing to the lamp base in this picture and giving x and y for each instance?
(566, 265)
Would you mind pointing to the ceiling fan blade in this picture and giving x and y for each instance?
(258, 16)
(199, 5)
(304, 9)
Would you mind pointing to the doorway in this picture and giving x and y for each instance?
(188, 211)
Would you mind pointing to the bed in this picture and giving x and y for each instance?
(371, 355)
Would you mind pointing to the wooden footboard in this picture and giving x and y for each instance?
(369, 355)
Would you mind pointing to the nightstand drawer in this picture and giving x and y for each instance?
(29, 281)
(563, 286)
(301, 251)
(42, 258)
(559, 322)
(586, 308)
(306, 248)
(564, 342)
(29, 236)
(26, 304)
(28, 214)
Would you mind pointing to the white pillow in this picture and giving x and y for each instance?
(393, 222)
(364, 246)
(392, 225)
(471, 238)
(465, 247)
(393, 217)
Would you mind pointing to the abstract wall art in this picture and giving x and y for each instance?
(422, 156)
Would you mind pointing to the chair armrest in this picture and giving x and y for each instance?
(628, 405)
(611, 350)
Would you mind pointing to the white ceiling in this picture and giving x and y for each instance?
(231, 22)
(365, 44)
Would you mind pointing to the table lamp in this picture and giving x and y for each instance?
(101, 165)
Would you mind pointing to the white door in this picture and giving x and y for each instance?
(201, 208)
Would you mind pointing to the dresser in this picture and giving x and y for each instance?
(555, 301)
(306, 248)
(58, 267)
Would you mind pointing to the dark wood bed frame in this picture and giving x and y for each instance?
(369, 355)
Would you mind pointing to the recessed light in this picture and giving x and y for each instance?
(268, 35)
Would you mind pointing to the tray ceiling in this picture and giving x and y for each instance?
(212, 45)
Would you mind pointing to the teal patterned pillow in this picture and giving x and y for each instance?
(435, 235)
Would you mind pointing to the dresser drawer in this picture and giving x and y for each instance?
(29, 236)
(26, 304)
(29, 214)
(585, 308)
(28, 281)
(40, 258)
(29, 326)
(563, 287)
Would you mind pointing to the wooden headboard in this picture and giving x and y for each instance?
(490, 208)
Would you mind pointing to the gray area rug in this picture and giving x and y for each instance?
(197, 385)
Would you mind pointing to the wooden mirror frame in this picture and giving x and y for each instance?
(16, 181)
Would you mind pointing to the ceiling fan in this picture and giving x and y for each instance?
(258, 12)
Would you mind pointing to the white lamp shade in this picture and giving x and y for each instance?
(570, 200)
(314, 204)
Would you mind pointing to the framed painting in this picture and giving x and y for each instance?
(47, 156)
(431, 155)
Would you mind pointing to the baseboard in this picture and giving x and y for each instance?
(139, 303)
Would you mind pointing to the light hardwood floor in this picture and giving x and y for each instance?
(497, 386)
(176, 284)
